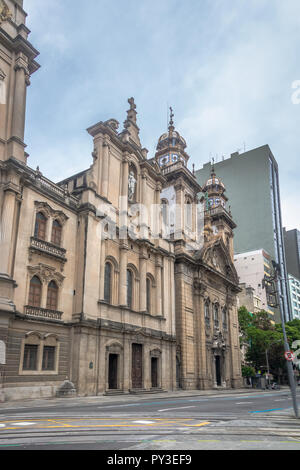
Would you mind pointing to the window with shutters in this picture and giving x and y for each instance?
(30, 357)
(56, 233)
(35, 292)
(129, 288)
(40, 226)
(52, 296)
(107, 282)
(149, 292)
(48, 358)
(216, 315)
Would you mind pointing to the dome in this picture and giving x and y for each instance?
(214, 184)
(171, 139)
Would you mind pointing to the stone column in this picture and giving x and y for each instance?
(19, 108)
(158, 292)
(123, 203)
(144, 209)
(146, 368)
(123, 275)
(105, 168)
(199, 291)
(143, 275)
(102, 268)
(6, 240)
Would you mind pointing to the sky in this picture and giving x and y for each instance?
(230, 71)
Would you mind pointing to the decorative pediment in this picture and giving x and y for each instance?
(49, 212)
(215, 255)
(46, 273)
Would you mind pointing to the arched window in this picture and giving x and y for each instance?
(224, 315)
(206, 311)
(216, 315)
(40, 226)
(107, 283)
(52, 296)
(129, 288)
(35, 292)
(148, 292)
(56, 233)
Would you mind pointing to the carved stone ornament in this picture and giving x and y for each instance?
(5, 13)
(59, 215)
(199, 287)
(218, 341)
(46, 273)
(131, 185)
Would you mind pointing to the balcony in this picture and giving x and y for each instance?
(47, 248)
(39, 312)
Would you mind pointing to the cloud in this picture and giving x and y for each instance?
(227, 72)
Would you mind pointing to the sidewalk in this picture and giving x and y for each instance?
(105, 399)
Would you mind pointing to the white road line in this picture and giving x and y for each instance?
(244, 402)
(2, 425)
(180, 408)
(144, 422)
(22, 424)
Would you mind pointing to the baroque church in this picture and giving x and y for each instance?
(112, 279)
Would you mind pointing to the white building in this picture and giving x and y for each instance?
(294, 291)
(252, 267)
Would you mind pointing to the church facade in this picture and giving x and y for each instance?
(119, 279)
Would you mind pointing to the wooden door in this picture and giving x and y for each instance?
(154, 371)
(113, 371)
(137, 366)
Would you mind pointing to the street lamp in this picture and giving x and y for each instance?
(286, 348)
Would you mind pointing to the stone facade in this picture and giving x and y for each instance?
(93, 293)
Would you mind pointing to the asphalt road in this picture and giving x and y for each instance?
(255, 420)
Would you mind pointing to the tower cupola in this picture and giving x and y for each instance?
(171, 146)
(214, 190)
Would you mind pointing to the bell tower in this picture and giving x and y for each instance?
(218, 220)
(17, 63)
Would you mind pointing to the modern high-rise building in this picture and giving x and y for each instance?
(292, 254)
(252, 180)
(292, 251)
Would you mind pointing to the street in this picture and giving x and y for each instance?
(228, 420)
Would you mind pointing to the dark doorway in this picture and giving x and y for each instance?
(154, 372)
(218, 371)
(137, 366)
(113, 371)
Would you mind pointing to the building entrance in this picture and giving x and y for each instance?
(113, 371)
(137, 366)
(154, 372)
(218, 370)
